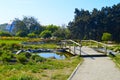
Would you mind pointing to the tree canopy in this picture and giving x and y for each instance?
(27, 25)
(92, 25)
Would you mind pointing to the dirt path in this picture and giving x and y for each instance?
(96, 68)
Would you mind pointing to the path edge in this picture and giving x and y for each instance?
(74, 71)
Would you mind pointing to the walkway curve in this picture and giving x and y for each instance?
(96, 68)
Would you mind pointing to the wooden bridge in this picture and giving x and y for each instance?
(76, 48)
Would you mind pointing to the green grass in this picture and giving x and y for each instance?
(10, 41)
(52, 68)
(116, 59)
(49, 69)
(45, 46)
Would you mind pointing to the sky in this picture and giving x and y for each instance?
(57, 12)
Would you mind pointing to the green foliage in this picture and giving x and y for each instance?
(26, 26)
(28, 55)
(36, 70)
(46, 34)
(19, 27)
(60, 77)
(106, 36)
(52, 28)
(21, 34)
(31, 35)
(21, 58)
(38, 58)
(5, 34)
(116, 59)
(22, 77)
(32, 25)
(6, 56)
(62, 33)
(92, 25)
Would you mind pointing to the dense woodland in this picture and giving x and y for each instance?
(85, 25)
(92, 25)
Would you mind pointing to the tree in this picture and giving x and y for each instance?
(32, 24)
(80, 24)
(92, 25)
(46, 34)
(19, 26)
(106, 37)
(52, 28)
(62, 33)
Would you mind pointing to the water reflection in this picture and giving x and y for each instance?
(54, 55)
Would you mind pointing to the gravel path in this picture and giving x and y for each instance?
(96, 68)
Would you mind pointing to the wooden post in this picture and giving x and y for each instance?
(80, 45)
(98, 44)
(80, 50)
(74, 48)
(90, 43)
(69, 48)
(105, 49)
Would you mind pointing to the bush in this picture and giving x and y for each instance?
(21, 58)
(5, 34)
(31, 35)
(1, 52)
(6, 56)
(21, 34)
(27, 54)
(37, 58)
(16, 46)
(45, 34)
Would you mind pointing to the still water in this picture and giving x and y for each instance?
(54, 55)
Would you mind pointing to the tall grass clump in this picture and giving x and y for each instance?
(22, 77)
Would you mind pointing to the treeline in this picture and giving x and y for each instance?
(85, 25)
(92, 25)
(30, 27)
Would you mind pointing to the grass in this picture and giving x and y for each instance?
(51, 69)
(45, 46)
(116, 59)
(10, 41)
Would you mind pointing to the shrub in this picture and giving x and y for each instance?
(21, 58)
(1, 52)
(31, 35)
(3, 44)
(5, 34)
(38, 58)
(27, 54)
(6, 56)
(16, 46)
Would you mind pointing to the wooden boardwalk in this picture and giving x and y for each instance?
(96, 65)
(76, 48)
(85, 51)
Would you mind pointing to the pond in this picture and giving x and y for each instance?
(54, 55)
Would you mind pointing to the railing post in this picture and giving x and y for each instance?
(80, 50)
(105, 49)
(69, 48)
(98, 44)
(74, 48)
(90, 43)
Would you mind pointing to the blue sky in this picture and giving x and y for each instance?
(56, 12)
